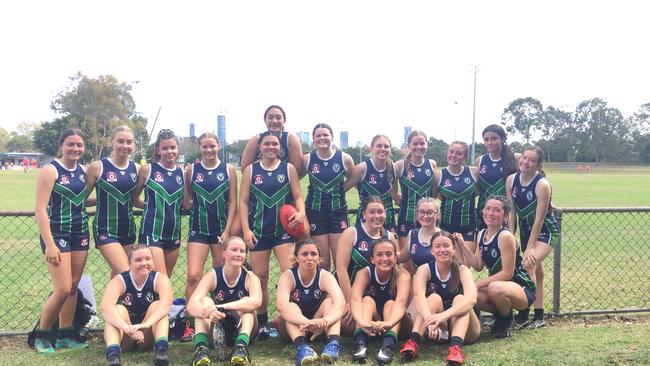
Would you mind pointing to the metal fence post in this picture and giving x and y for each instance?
(557, 256)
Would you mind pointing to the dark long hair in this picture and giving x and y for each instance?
(509, 163)
(164, 134)
(298, 246)
(394, 273)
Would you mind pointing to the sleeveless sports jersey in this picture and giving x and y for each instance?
(309, 296)
(525, 200)
(491, 255)
(66, 208)
(419, 251)
(325, 192)
(435, 285)
(137, 300)
(114, 190)
(491, 180)
(284, 147)
(418, 186)
(223, 293)
(375, 183)
(270, 190)
(210, 194)
(163, 196)
(457, 194)
(379, 291)
(361, 250)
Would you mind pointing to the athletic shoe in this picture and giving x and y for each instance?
(486, 321)
(305, 356)
(536, 323)
(385, 355)
(520, 324)
(240, 356)
(263, 332)
(43, 346)
(201, 357)
(505, 328)
(70, 343)
(188, 333)
(360, 353)
(330, 353)
(160, 357)
(219, 340)
(113, 360)
(409, 350)
(455, 356)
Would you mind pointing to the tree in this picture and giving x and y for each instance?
(437, 150)
(189, 149)
(236, 149)
(46, 136)
(4, 139)
(139, 126)
(96, 106)
(640, 134)
(522, 116)
(19, 143)
(606, 131)
(554, 122)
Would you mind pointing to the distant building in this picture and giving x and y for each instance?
(344, 139)
(221, 129)
(192, 131)
(407, 132)
(304, 137)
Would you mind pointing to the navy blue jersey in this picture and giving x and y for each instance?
(419, 250)
(457, 194)
(210, 194)
(223, 292)
(415, 183)
(491, 180)
(284, 147)
(361, 250)
(525, 200)
(163, 197)
(114, 191)
(270, 189)
(491, 255)
(309, 296)
(379, 291)
(436, 285)
(326, 176)
(137, 300)
(66, 208)
(375, 183)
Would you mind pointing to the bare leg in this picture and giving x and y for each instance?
(115, 256)
(197, 253)
(77, 264)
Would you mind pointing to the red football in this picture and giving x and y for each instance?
(300, 232)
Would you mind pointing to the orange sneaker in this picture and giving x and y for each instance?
(455, 356)
(409, 350)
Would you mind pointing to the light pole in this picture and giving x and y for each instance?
(474, 118)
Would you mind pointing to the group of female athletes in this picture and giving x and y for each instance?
(407, 278)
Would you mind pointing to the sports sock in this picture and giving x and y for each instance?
(299, 341)
(113, 349)
(200, 339)
(333, 337)
(243, 338)
(522, 315)
(539, 314)
(262, 318)
(389, 340)
(415, 337)
(456, 341)
(161, 344)
(360, 336)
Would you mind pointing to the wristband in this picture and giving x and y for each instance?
(220, 308)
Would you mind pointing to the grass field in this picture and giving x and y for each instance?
(601, 252)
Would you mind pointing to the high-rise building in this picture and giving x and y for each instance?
(407, 132)
(305, 137)
(221, 129)
(344, 139)
(192, 132)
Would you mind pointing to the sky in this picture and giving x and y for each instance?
(367, 67)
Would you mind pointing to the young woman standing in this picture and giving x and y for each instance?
(266, 185)
(63, 226)
(114, 180)
(327, 209)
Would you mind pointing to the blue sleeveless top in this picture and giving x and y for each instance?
(309, 296)
(210, 194)
(66, 208)
(379, 291)
(325, 192)
(435, 285)
(270, 189)
(223, 292)
(420, 252)
(137, 300)
(114, 190)
(415, 183)
(457, 194)
(361, 250)
(375, 183)
(163, 197)
(491, 255)
(525, 200)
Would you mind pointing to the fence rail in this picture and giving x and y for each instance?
(599, 266)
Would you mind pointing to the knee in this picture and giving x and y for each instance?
(495, 290)
(367, 301)
(264, 278)
(193, 278)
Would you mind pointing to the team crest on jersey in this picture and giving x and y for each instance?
(414, 248)
(258, 179)
(372, 291)
(483, 169)
(82, 178)
(199, 177)
(134, 177)
(220, 177)
(295, 295)
(62, 243)
(111, 177)
(363, 246)
(344, 224)
(336, 167)
(241, 294)
(169, 173)
(84, 242)
(281, 178)
(127, 299)
(313, 227)
(179, 180)
(315, 169)
(149, 297)
(443, 285)
(306, 291)
(372, 179)
(432, 288)
(139, 295)
(64, 180)
(318, 293)
(219, 296)
(285, 236)
(158, 177)
(446, 183)
(122, 172)
(427, 172)
(494, 253)
(103, 237)
(529, 195)
(467, 180)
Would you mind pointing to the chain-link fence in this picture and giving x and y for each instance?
(601, 265)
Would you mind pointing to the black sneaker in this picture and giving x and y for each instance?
(160, 357)
(536, 323)
(360, 353)
(113, 360)
(505, 328)
(385, 355)
(201, 357)
(240, 356)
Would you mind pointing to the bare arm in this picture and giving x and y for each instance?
(512, 217)
(343, 258)
(250, 153)
(92, 175)
(165, 293)
(285, 285)
(194, 306)
(143, 175)
(187, 196)
(304, 166)
(298, 201)
(329, 285)
(357, 174)
(437, 175)
(508, 247)
(394, 190)
(470, 259)
(232, 201)
(114, 290)
(401, 300)
(44, 186)
(403, 254)
(295, 151)
(244, 196)
(361, 281)
(420, 291)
